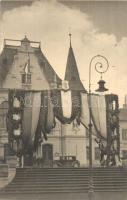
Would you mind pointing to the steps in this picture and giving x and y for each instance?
(57, 180)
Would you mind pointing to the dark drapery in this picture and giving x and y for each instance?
(46, 120)
(58, 110)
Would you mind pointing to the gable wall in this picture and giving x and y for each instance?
(13, 79)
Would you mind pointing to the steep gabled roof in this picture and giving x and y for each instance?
(9, 52)
(6, 61)
(72, 74)
(47, 68)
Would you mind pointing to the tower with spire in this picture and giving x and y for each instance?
(71, 73)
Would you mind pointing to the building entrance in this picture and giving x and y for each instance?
(28, 160)
(47, 154)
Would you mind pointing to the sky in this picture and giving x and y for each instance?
(96, 27)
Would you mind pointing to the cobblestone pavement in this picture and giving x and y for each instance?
(74, 196)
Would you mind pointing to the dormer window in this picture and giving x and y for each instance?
(26, 76)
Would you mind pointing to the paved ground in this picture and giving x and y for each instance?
(79, 196)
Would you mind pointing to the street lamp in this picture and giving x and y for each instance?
(101, 66)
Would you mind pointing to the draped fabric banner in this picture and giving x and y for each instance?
(46, 120)
(49, 118)
(41, 108)
(35, 112)
(61, 113)
(32, 104)
(66, 102)
(46, 117)
(98, 111)
(95, 112)
(27, 120)
(85, 109)
(102, 116)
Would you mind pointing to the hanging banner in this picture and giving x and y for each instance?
(49, 117)
(46, 120)
(85, 113)
(102, 116)
(32, 104)
(66, 103)
(74, 101)
(98, 113)
(27, 120)
(95, 112)
(35, 112)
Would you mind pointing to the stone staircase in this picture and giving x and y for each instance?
(69, 180)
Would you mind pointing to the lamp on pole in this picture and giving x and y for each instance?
(101, 66)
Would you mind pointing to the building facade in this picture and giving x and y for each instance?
(24, 67)
(123, 131)
(66, 140)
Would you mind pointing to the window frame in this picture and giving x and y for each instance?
(26, 78)
(124, 134)
(124, 154)
(3, 114)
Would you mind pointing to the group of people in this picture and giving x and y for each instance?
(108, 157)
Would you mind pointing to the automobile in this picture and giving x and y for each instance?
(66, 161)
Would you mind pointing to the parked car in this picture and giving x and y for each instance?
(66, 161)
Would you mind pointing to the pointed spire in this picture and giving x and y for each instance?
(72, 74)
(70, 35)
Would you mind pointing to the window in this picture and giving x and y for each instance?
(97, 153)
(26, 78)
(3, 113)
(124, 153)
(124, 134)
(29, 78)
(87, 153)
(23, 78)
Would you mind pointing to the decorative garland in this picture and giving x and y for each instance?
(13, 125)
(113, 121)
(112, 128)
(76, 106)
(46, 119)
